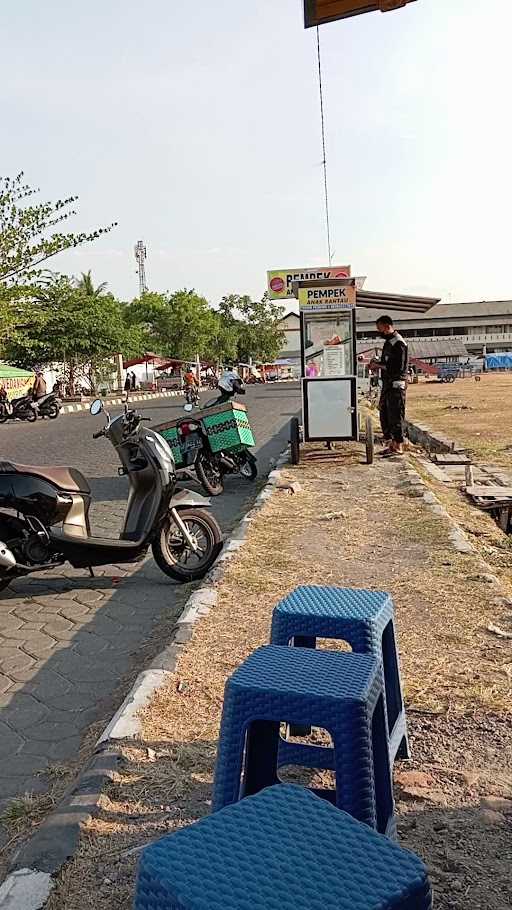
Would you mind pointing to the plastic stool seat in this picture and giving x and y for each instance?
(283, 849)
(362, 618)
(339, 692)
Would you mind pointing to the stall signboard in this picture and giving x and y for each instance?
(327, 299)
(280, 282)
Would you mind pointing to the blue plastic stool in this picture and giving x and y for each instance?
(283, 849)
(340, 692)
(364, 619)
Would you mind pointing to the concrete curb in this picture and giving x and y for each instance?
(30, 882)
(143, 396)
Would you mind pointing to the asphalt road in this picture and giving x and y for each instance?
(68, 441)
(71, 645)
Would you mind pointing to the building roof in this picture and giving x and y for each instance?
(421, 350)
(317, 12)
(449, 311)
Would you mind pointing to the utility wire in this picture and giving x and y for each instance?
(324, 160)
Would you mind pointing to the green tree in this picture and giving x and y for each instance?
(59, 322)
(86, 284)
(259, 335)
(31, 233)
(178, 325)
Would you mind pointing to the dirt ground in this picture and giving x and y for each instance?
(349, 525)
(475, 414)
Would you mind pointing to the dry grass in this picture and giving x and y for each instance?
(349, 526)
(484, 423)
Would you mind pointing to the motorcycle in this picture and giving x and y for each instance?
(49, 406)
(209, 467)
(23, 408)
(192, 395)
(51, 525)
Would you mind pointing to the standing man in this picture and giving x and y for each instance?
(39, 387)
(393, 366)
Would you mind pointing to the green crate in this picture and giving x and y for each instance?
(170, 434)
(227, 427)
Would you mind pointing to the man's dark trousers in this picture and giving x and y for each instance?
(392, 413)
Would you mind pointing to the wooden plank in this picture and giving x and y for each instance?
(441, 458)
(493, 505)
(492, 492)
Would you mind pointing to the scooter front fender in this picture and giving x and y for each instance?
(186, 499)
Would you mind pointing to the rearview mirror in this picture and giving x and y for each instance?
(188, 407)
(96, 407)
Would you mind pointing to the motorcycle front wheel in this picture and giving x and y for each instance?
(209, 475)
(174, 556)
(53, 411)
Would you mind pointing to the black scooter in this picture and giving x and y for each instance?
(23, 408)
(49, 406)
(52, 512)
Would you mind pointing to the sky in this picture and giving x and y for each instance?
(196, 127)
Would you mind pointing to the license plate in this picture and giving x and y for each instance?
(191, 442)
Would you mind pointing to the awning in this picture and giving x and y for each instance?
(379, 300)
(9, 372)
(318, 12)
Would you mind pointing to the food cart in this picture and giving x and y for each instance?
(333, 407)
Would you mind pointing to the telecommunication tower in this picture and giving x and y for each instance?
(140, 256)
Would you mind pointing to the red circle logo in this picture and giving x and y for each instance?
(342, 274)
(277, 285)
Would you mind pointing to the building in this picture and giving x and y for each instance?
(448, 329)
(483, 327)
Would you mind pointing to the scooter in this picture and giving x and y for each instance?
(52, 505)
(192, 395)
(23, 408)
(49, 406)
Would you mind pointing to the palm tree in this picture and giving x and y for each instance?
(85, 284)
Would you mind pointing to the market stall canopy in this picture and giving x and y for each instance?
(318, 12)
(9, 372)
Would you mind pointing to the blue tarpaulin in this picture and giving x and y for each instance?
(499, 361)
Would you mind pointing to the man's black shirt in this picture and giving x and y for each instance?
(394, 358)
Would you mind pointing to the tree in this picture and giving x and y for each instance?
(178, 325)
(30, 234)
(259, 335)
(85, 284)
(60, 323)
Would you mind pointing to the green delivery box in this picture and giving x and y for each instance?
(169, 431)
(227, 427)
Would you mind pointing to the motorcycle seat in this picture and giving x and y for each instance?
(69, 479)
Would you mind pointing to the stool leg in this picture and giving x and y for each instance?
(261, 748)
(230, 751)
(394, 699)
(384, 804)
(403, 750)
(301, 641)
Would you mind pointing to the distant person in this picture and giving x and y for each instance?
(190, 379)
(393, 366)
(39, 387)
(127, 383)
(133, 382)
(312, 370)
(229, 384)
